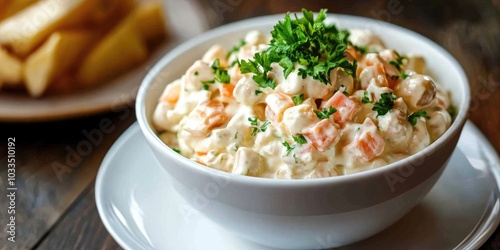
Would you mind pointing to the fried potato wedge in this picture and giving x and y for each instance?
(55, 57)
(27, 29)
(11, 7)
(120, 50)
(150, 22)
(10, 69)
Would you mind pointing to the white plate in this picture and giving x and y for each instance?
(185, 19)
(141, 211)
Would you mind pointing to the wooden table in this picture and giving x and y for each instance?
(55, 206)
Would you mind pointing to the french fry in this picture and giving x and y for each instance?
(54, 58)
(10, 69)
(150, 22)
(120, 50)
(11, 7)
(27, 29)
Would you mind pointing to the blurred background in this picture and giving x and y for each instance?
(55, 202)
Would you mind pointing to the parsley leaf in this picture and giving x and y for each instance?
(385, 103)
(325, 113)
(366, 98)
(257, 92)
(177, 150)
(255, 125)
(315, 46)
(298, 99)
(236, 48)
(288, 147)
(300, 139)
(413, 118)
(221, 74)
(398, 63)
(260, 67)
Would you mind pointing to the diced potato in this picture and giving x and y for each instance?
(150, 21)
(30, 27)
(10, 69)
(11, 7)
(119, 51)
(54, 58)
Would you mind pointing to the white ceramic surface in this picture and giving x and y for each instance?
(343, 209)
(113, 95)
(141, 211)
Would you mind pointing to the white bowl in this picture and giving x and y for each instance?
(314, 213)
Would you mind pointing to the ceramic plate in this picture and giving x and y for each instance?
(19, 107)
(141, 211)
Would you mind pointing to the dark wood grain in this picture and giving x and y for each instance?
(80, 228)
(44, 193)
(59, 212)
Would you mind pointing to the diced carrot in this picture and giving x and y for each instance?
(204, 117)
(368, 142)
(346, 108)
(322, 134)
(226, 90)
(277, 103)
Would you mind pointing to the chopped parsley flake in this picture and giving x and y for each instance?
(236, 48)
(236, 135)
(177, 150)
(398, 63)
(366, 98)
(196, 73)
(258, 92)
(300, 139)
(413, 118)
(255, 125)
(288, 147)
(221, 74)
(385, 103)
(298, 99)
(325, 113)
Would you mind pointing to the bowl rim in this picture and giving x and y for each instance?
(154, 140)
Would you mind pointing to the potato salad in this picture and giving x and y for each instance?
(307, 101)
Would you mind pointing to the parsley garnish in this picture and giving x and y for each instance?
(255, 125)
(260, 67)
(288, 147)
(298, 99)
(366, 98)
(206, 83)
(236, 135)
(413, 118)
(221, 74)
(384, 104)
(177, 150)
(306, 41)
(236, 48)
(325, 113)
(398, 63)
(300, 139)
(311, 43)
(257, 92)
(196, 73)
